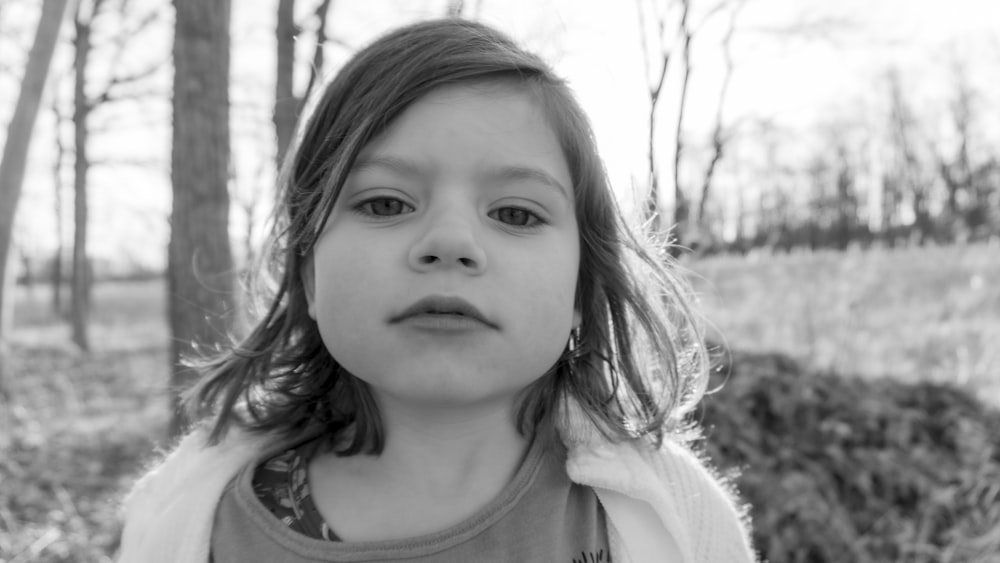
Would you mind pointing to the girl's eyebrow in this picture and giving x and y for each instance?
(496, 175)
(514, 173)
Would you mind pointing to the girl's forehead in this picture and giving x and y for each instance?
(477, 104)
(477, 125)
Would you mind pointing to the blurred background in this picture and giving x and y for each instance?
(830, 173)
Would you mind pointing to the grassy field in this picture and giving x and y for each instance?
(77, 428)
(917, 314)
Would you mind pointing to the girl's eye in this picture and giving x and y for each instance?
(384, 207)
(516, 217)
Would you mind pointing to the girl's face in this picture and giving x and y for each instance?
(447, 271)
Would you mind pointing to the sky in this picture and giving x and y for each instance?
(796, 63)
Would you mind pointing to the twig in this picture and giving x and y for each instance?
(36, 548)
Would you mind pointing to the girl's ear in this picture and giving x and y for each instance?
(308, 277)
(577, 318)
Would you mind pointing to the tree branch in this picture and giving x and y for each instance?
(318, 55)
(651, 209)
(718, 141)
(680, 201)
(107, 93)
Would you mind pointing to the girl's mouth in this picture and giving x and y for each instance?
(438, 310)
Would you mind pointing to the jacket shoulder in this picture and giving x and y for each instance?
(697, 507)
(169, 512)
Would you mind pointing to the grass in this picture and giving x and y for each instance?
(79, 428)
(915, 314)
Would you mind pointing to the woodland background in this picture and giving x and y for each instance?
(849, 266)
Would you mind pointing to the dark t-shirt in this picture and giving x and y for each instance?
(539, 516)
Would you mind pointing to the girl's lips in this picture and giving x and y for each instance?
(441, 311)
(443, 322)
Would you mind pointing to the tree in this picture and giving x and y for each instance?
(57, 177)
(201, 279)
(657, 69)
(907, 165)
(80, 285)
(15, 152)
(84, 104)
(834, 219)
(288, 105)
(660, 43)
(969, 172)
(719, 136)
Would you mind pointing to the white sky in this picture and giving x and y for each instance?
(795, 80)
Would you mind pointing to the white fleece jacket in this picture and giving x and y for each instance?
(657, 501)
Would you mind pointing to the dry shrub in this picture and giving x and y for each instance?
(857, 469)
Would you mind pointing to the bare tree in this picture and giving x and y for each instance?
(907, 165)
(772, 219)
(15, 152)
(319, 50)
(969, 171)
(719, 137)
(80, 285)
(288, 105)
(845, 223)
(84, 104)
(668, 28)
(201, 277)
(654, 15)
(59, 206)
(958, 175)
(833, 206)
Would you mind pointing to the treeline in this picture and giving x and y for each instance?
(885, 174)
(891, 167)
(961, 205)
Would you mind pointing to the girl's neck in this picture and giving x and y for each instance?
(438, 467)
(449, 450)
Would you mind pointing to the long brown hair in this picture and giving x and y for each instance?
(640, 361)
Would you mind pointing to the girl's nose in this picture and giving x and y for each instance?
(447, 244)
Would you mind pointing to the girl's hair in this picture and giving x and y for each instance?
(640, 362)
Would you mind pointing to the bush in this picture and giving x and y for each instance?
(851, 469)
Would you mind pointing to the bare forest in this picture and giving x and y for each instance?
(829, 184)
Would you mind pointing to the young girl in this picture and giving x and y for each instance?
(467, 356)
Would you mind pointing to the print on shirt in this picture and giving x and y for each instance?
(590, 557)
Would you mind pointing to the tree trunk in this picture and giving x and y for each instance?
(57, 168)
(80, 289)
(718, 140)
(285, 103)
(682, 205)
(651, 206)
(201, 280)
(316, 69)
(15, 151)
